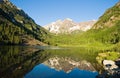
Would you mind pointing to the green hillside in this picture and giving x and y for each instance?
(108, 26)
(16, 27)
(109, 18)
(105, 34)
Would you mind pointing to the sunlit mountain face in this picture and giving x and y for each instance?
(68, 26)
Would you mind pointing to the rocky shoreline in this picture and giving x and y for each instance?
(111, 66)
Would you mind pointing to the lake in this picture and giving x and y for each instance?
(47, 62)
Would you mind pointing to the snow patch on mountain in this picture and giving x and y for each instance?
(68, 26)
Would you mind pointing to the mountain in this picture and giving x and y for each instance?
(106, 31)
(68, 26)
(109, 18)
(108, 26)
(16, 27)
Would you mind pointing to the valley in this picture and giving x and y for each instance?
(102, 36)
(64, 46)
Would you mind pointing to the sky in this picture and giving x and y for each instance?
(46, 11)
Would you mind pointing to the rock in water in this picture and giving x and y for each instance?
(109, 64)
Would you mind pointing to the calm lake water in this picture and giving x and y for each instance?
(47, 62)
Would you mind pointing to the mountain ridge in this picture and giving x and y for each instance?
(109, 18)
(20, 27)
(68, 26)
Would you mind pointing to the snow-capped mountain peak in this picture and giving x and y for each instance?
(68, 25)
(69, 19)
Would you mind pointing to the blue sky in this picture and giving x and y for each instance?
(47, 11)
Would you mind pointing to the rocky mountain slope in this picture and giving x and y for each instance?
(68, 26)
(109, 18)
(16, 27)
(108, 25)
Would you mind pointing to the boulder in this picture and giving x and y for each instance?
(109, 64)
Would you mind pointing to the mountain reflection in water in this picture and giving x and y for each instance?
(56, 67)
(43, 71)
(46, 62)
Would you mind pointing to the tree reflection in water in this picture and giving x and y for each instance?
(16, 61)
